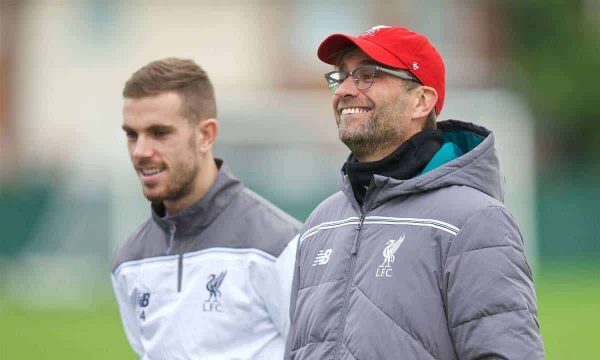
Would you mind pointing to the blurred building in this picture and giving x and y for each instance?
(68, 194)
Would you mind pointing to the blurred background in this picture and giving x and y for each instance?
(68, 197)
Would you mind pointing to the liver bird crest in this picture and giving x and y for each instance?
(390, 249)
(213, 285)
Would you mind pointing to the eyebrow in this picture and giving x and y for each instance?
(166, 128)
(127, 128)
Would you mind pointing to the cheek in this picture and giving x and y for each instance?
(334, 102)
(178, 155)
(130, 147)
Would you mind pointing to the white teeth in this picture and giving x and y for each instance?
(354, 111)
(151, 171)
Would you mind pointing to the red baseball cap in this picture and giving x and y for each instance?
(397, 47)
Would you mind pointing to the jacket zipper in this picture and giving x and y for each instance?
(172, 230)
(353, 253)
(179, 272)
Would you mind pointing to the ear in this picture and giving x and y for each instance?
(206, 135)
(426, 100)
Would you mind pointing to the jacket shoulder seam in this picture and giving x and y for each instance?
(458, 235)
(487, 315)
(486, 248)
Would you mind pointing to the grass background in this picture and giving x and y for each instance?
(568, 299)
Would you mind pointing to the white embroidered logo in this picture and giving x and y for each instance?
(322, 257)
(415, 65)
(372, 31)
(385, 269)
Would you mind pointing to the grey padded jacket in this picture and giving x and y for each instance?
(430, 268)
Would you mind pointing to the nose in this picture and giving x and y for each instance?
(347, 88)
(141, 148)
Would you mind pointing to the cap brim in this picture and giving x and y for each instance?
(335, 43)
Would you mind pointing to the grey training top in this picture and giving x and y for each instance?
(210, 282)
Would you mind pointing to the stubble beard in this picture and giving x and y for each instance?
(380, 131)
(181, 180)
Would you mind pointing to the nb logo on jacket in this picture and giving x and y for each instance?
(143, 300)
(322, 257)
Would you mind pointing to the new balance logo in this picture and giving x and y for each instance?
(322, 257)
(143, 300)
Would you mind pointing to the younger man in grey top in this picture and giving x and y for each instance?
(208, 275)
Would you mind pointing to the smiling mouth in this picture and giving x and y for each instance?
(354, 110)
(151, 171)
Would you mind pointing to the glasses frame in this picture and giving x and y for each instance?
(334, 85)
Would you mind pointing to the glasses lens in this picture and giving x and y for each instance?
(335, 79)
(363, 77)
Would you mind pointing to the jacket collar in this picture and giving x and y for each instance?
(407, 161)
(200, 214)
(476, 166)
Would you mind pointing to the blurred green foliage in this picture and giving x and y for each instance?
(20, 209)
(555, 48)
(567, 213)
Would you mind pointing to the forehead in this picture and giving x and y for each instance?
(152, 110)
(351, 59)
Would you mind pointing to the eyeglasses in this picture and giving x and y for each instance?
(362, 76)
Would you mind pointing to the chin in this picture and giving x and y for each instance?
(351, 136)
(154, 196)
(154, 199)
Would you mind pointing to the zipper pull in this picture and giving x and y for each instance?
(358, 227)
(360, 222)
(172, 230)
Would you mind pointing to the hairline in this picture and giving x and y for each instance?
(181, 111)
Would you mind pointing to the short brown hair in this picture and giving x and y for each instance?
(181, 76)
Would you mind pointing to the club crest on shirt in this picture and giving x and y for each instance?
(391, 246)
(214, 294)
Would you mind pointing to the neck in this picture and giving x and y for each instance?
(384, 149)
(204, 180)
(403, 163)
(379, 153)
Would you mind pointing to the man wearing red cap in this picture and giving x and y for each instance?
(416, 257)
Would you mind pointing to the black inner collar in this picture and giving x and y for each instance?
(408, 160)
